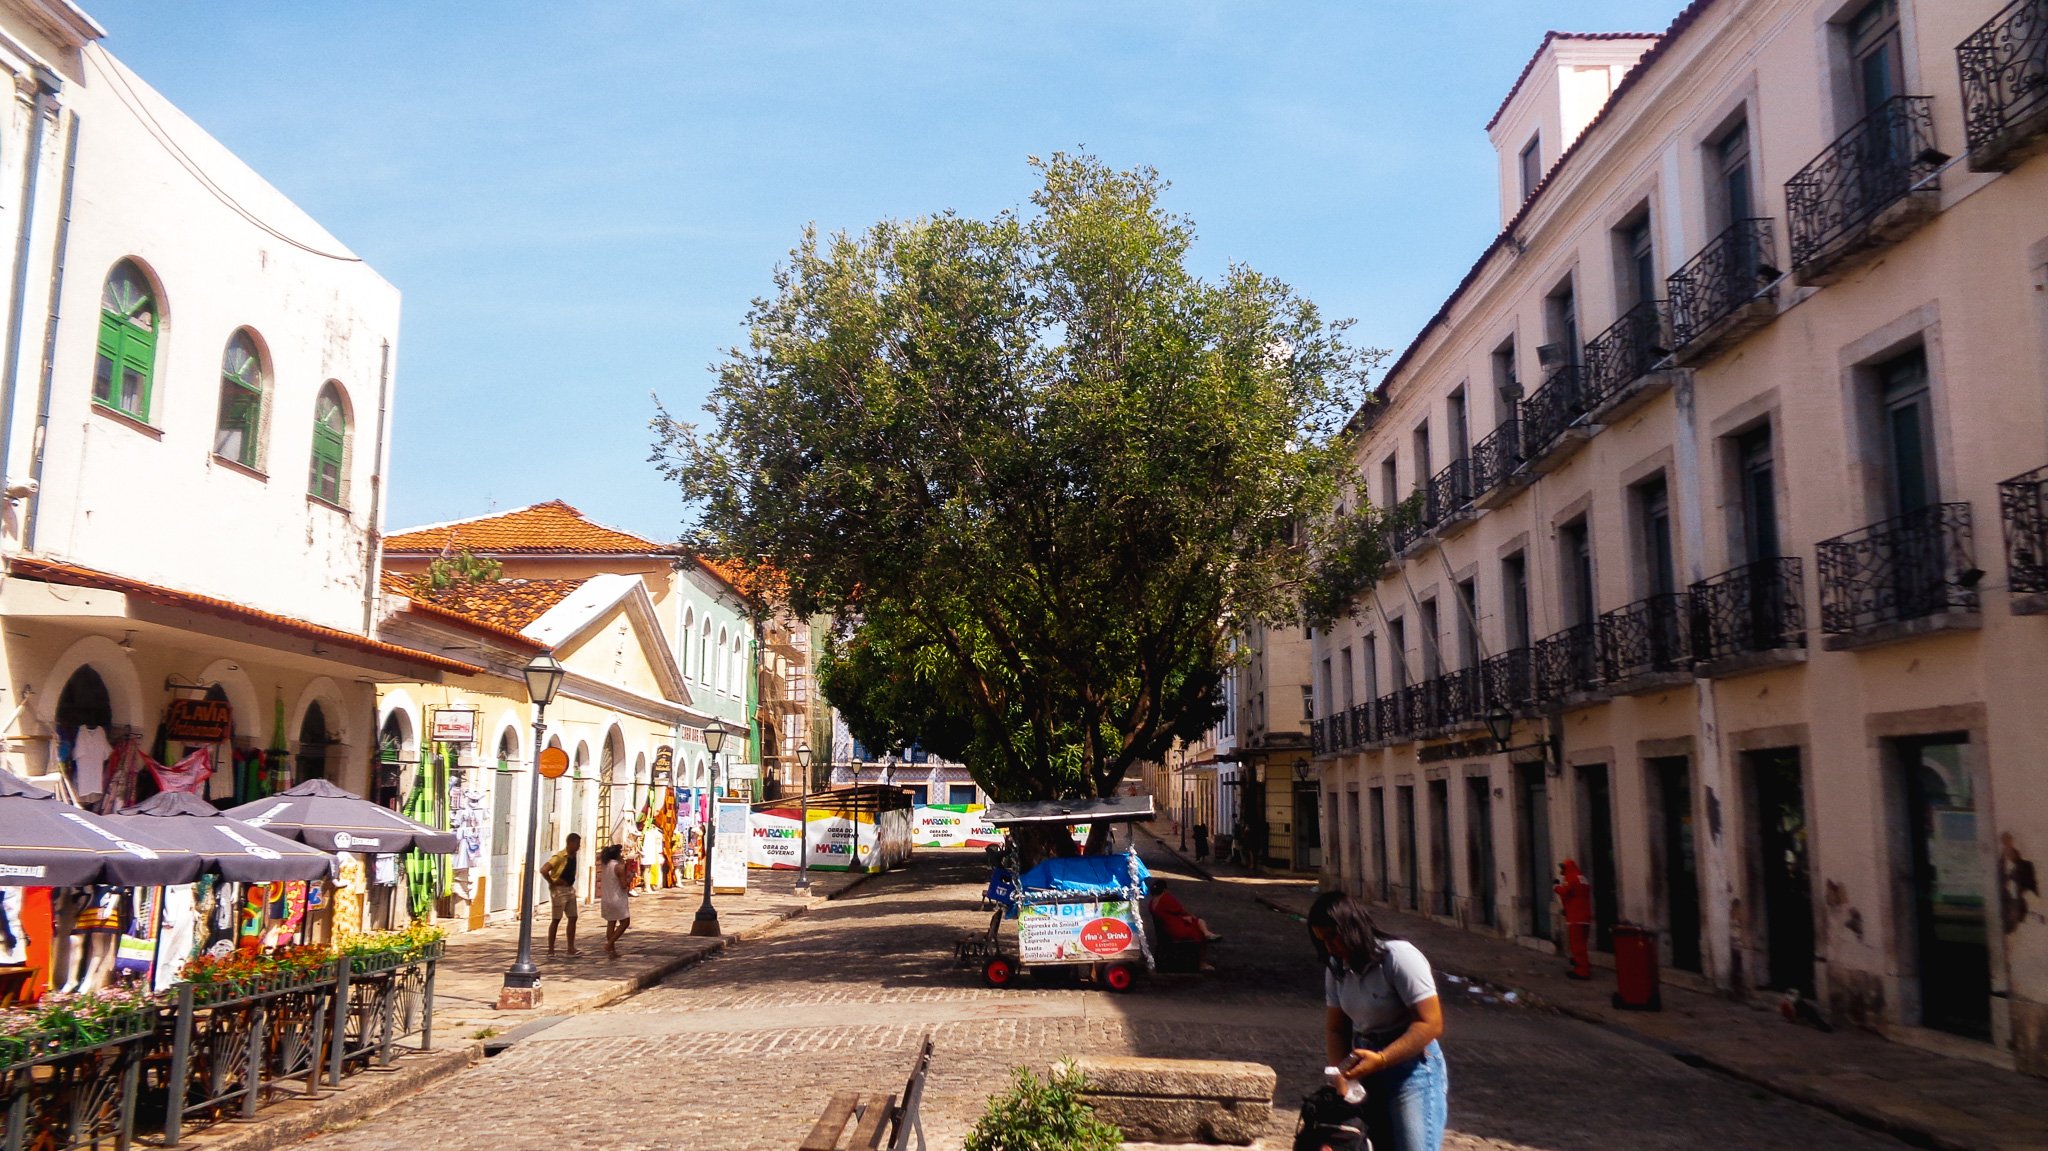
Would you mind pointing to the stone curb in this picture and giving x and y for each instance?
(373, 1091)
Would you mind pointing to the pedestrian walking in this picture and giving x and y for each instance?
(1201, 843)
(560, 872)
(1575, 897)
(1381, 1024)
(614, 883)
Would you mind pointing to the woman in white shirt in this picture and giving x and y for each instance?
(1382, 1024)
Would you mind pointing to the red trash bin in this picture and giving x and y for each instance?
(1635, 968)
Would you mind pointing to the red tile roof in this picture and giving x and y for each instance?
(552, 528)
(70, 575)
(501, 607)
(1538, 55)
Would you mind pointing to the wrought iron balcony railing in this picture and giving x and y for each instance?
(1450, 491)
(1498, 456)
(1507, 680)
(1754, 608)
(1336, 732)
(2005, 74)
(1647, 637)
(1910, 566)
(1318, 740)
(1390, 717)
(1567, 661)
(1552, 408)
(1361, 724)
(1726, 274)
(1625, 352)
(1867, 169)
(2023, 502)
(1458, 698)
(1419, 701)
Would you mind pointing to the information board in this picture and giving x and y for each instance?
(1093, 932)
(730, 847)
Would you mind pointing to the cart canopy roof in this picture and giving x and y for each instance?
(1118, 809)
(1098, 874)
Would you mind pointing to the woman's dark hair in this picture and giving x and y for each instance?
(611, 852)
(1348, 918)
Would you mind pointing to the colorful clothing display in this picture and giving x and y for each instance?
(350, 887)
(188, 775)
(101, 912)
(90, 752)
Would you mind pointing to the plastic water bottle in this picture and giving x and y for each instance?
(1354, 1091)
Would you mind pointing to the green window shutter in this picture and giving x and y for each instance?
(238, 433)
(327, 453)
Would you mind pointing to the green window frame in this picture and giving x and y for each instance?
(330, 446)
(123, 374)
(238, 432)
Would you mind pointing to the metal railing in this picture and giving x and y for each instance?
(1865, 170)
(1419, 700)
(1508, 680)
(1390, 718)
(1725, 275)
(1624, 353)
(1317, 742)
(1450, 491)
(1646, 637)
(1910, 566)
(1498, 456)
(1552, 408)
(1754, 608)
(1567, 661)
(1459, 698)
(2023, 504)
(2005, 71)
(1362, 731)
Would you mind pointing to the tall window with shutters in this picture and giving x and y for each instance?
(244, 389)
(327, 481)
(124, 373)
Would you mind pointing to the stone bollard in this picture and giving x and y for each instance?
(1179, 1100)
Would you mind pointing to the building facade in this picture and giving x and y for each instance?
(1715, 498)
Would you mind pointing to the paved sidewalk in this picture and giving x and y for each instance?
(1924, 1098)
(466, 1018)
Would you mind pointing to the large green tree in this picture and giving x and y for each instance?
(1033, 465)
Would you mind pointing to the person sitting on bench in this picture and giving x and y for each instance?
(1186, 938)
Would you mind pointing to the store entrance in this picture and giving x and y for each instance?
(1951, 892)
(1784, 877)
(1534, 811)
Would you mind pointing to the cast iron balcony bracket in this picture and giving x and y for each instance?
(1624, 353)
(1868, 168)
(1754, 608)
(2004, 69)
(1647, 637)
(1498, 456)
(1567, 661)
(1907, 567)
(2023, 504)
(1735, 268)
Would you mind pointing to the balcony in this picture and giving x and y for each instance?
(1318, 737)
(2005, 86)
(1725, 292)
(1389, 719)
(1362, 733)
(1749, 618)
(1621, 372)
(1568, 665)
(1550, 416)
(1903, 577)
(1420, 704)
(1497, 464)
(2023, 503)
(1459, 699)
(1874, 185)
(1645, 646)
(1450, 496)
(1508, 680)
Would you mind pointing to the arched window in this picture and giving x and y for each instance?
(719, 672)
(84, 713)
(330, 446)
(704, 653)
(315, 739)
(122, 376)
(683, 649)
(244, 395)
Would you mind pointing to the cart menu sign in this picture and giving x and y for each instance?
(1093, 932)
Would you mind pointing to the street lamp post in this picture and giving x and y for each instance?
(706, 922)
(803, 827)
(1183, 820)
(522, 980)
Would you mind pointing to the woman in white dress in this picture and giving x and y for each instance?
(612, 899)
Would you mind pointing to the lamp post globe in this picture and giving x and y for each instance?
(706, 922)
(521, 989)
(803, 828)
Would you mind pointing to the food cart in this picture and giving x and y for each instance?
(1079, 913)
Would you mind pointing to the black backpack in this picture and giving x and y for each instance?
(1330, 1124)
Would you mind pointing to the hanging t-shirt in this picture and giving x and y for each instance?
(89, 755)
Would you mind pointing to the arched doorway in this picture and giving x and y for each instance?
(85, 717)
(316, 743)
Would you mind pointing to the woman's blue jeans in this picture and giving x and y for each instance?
(1405, 1106)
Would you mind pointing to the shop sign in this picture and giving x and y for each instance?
(455, 725)
(664, 764)
(1070, 932)
(199, 721)
(743, 771)
(553, 763)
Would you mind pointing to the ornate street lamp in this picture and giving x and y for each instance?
(803, 827)
(1500, 724)
(706, 922)
(522, 980)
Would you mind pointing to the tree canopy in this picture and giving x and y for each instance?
(1033, 466)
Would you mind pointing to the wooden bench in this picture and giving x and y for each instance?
(863, 1121)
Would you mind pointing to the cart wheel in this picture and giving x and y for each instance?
(998, 972)
(1120, 977)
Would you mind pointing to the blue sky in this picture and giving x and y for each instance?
(579, 200)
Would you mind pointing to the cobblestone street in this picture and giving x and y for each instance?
(739, 1052)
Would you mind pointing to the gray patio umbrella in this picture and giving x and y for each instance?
(45, 842)
(319, 813)
(239, 852)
